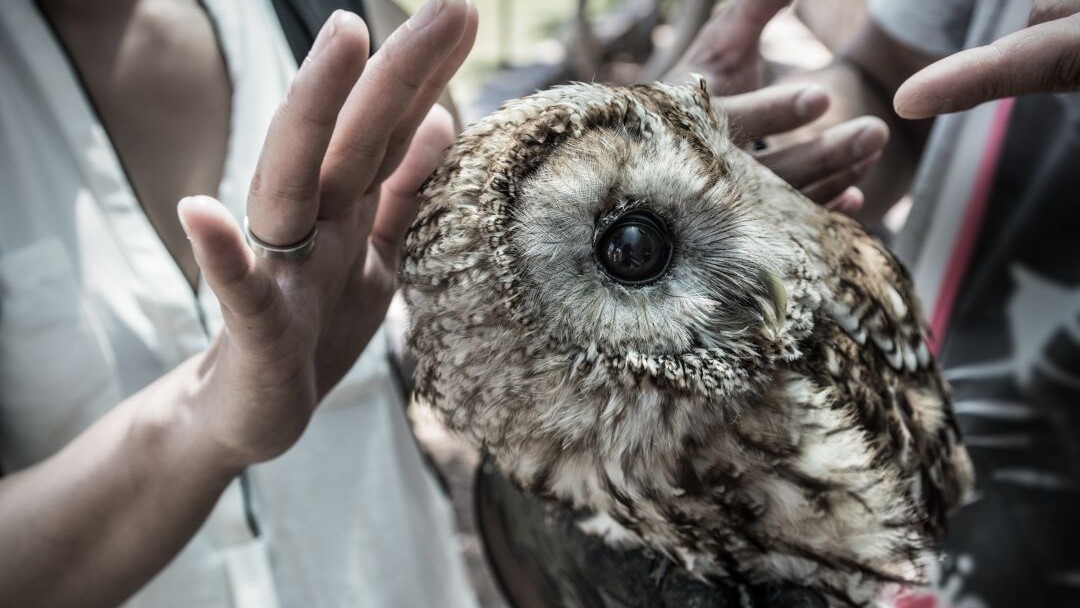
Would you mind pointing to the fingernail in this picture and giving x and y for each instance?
(847, 202)
(206, 204)
(426, 14)
(326, 33)
(809, 102)
(924, 106)
(183, 204)
(867, 141)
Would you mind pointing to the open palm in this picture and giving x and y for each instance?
(345, 152)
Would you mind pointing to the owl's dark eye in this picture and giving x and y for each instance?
(635, 249)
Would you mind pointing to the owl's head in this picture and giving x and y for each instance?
(589, 242)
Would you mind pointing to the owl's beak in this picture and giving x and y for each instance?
(777, 297)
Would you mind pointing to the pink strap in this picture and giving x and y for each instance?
(968, 233)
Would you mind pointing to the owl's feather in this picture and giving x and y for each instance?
(767, 410)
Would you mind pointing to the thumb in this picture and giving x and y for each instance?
(1044, 58)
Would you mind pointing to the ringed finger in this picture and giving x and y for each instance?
(283, 199)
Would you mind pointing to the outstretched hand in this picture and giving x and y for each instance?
(826, 167)
(346, 152)
(1042, 58)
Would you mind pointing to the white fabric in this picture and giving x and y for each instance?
(936, 27)
(943, 27)
(92, 308)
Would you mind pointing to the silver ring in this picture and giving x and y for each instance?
(291, 253)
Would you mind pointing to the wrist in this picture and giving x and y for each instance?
(168, 432)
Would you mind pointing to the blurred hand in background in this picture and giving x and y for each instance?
(825, 166)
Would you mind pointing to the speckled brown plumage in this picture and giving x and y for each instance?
(766, 410)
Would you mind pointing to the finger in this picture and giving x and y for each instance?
(828, 189)
(426, 98)
(399, 201)
(242, 288)
(772, 110)
(1043, 58)
(835, 150)
(283, 200)
(849, 202)
(394, 78)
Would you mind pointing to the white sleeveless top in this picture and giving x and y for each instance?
(93, 308)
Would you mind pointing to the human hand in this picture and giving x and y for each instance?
(825, 167)
(345, 152)
(1043, 58)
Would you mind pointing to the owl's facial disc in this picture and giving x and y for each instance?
(634, 249)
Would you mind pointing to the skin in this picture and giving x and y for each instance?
(181, 97)
(871, 53)
(726, 53)
(824, 167)
(347, 149)
(148, 473)
(881, 77)
(1042, 58)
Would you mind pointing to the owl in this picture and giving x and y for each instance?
(640, 322)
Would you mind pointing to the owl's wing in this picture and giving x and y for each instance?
(872, 344)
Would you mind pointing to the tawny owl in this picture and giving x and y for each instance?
(638, 320)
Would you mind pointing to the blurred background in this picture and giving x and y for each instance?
(526, 45)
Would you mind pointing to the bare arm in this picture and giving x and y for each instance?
(93, 523)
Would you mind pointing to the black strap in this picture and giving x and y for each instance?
(301, 20)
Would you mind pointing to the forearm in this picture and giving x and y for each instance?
(93, 523)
